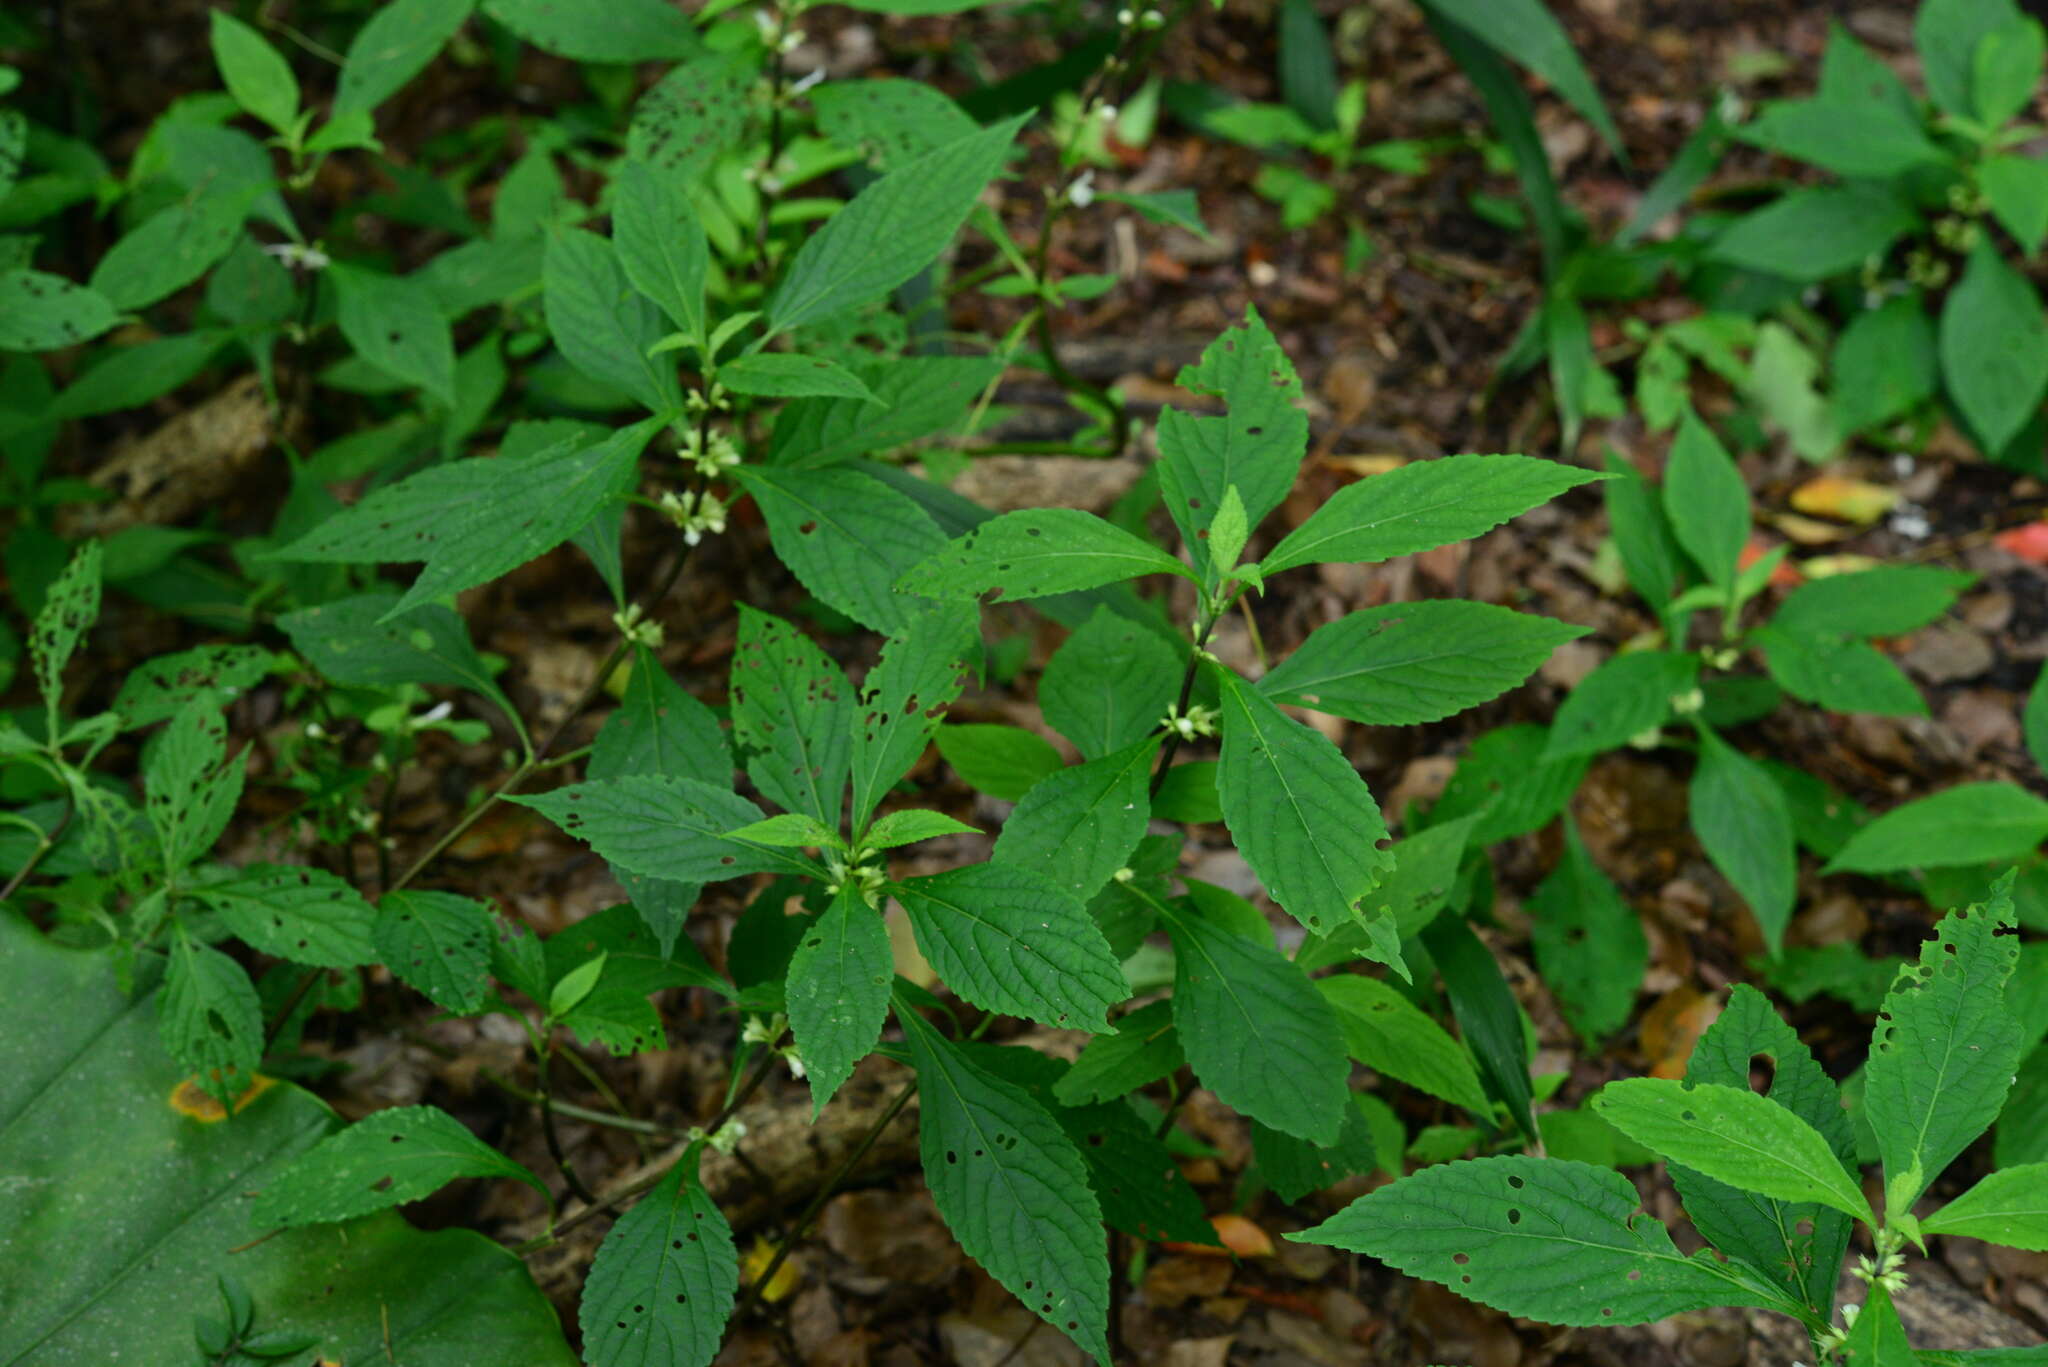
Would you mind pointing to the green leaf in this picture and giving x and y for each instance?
(396, 326)
(1390, 1034)
(847, 537)
(1642, 536)
(1524, 31)
(1506, 779)
(624, 31)
(692, 115)
(392, 48)
(189, 793)
(635, 963)
(1487, 1014)
(919, 396)
(1944, 1048)
(1420, 506)
(1812, 234)
(1884, 364)
(658, 728)
(889, 231)
(360, 642)
(1188, 793)
(1012, 1187)
(260, 80)
(1256, 446)
(1409, 663)
(438, 944)
(1294, 1167)
(911, 825)
(1625, 697)
(662, 1286)
(2008, 1207)
(208, 1017)
(1842, 676)
(790, 831)
(1425, 873)
(2005, 71)
(70, 607)
(1077, 826)
(169, 250)
(1971, 823)
(1302, 817)
(1108, 685)
(601, 324)
(1009, 940)
(1889, 142)
(838, 992)
(1257, 1032)
(1994, 347)
(168, 684)
(1888, 600)
(1948, 34)
(1706, 501)
(309, 916)
(1589, 943)
(572, 987)
(42, 312)
(1542, 1238)
(661, 246)
(792, 712)
(1878, 1339)
(1173, 208)
(2034, 720)
(1733, 1136)
(889, 121)
(386, 1159)
(787, 375)
(1745, 827)
(1035, 552)
(903, 699)
(1144, 1049)
(131, 376)
(1002, 761)
(671, 828)
(2017, 188)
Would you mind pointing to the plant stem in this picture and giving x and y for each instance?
(547, 1126)
(47, 843)
(1187, 691)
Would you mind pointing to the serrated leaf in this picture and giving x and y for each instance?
(1077, 826)
(920, 396)
(1301, 815)
(911, 825)
(1420, 506)
(693, 115)
(362, 642)
(1390, 1034)
(671, 828)
(309, 916)
(838, 992)
(790, 831)
(788, 375)
(169, 250)
(601, 324)
(1551, 1240)
(792, 712)
(1994, 346)
(1971, 823)
(1257, 1032)
(1013, 1188)
(661, 245)
(1033, 553)
(1108, 684)
(439, 944)
(1424, 875)
(392, 47)
(903, 699)
(1745, 827)
(890, 231)
(1144, 1049)
(662, 1285)
(397, 327)
(1944, 1048)
(600, 30)
(1002, 761)
(1294, 1167)
(1010, 940)
(846, 536)
(166, 685)
(1409, 663)
(1620, 700)
(386, 1159)
(659, 728)
(209, 1018)
(2008, 1207)
(1589, 943)
(188, 791)
(70, 606)
(42, 312)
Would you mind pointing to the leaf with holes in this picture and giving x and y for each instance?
(846, 536)
(70, 607)
(1033, 553)
(838, 992)
(1012, 1187)
(1390, 1034)
(904, 697)
(439, 944)
(1541, 1238)
(1944, 1049)
(309, 916)
(43, 312)
(1589, 943)
(162, 688)
(662, 1285)
(189, 792)
(792, 712)
(1007, 939)
(387, 1159)
(1108, 684)
(208, 1017)
(671, 828)
(1077, 826)
(1257, 1032)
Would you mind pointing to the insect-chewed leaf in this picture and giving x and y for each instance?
(309, 916)
(41, 312)
(1543, 1238)
(1430, 503)
(209, 1017)
(1108, 684)
(1007, 939)
(792, 711)
(189, 793)
(163, 687)
(662, 1286)
(1077, 825)
(1390, 1034)
(692, 115)
(69, 609)
(671, 828)
(386, 1159)
(1036, 552)
(438, 943)
(1013, 1188)
(1943, 1051)
(924, 665)
(838, 992)
(846, 536)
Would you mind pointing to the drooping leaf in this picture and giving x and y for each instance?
(1035, 552)
(1971, 823)
(1589, 943)
(847, 537)
(386, 1159)
(792, 711)
(309, 916)
(1078, 825)
(838, 992)
(662, 1285)
(438, 943)
(1746, 829)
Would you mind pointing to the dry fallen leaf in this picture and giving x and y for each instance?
(1673, 1025)
(1844, 499)
(2029, 543)
(1238, 1235)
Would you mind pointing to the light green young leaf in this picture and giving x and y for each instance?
(1948, 34)
(1003, 761)
(789, 830)
(787, 375)
(1390, 1034)
(662, 1285)
(572, 987)
(847, 537)
(1420, 506)
(1706, 501)
(659, 728)
(838, 992)
(362, 642)
(1229, 532)
(911, 825)
(889, 231)
(671, 828)
(70, 607)
(623, 31)
(1012, 1187)
(1007, 939)
(41, 312)
(309, 916)
(439, 944)
(601, 324)
(1944, 1048)
(1812, 234)
(1994, 346)
(1746, 829)
(1589, 943)
(1302, 816)
(1543, 1238)
(923, 667)
(1035, 552)
(188, 791)
(661, 245)
(1108, 684)
(386, 1159)
(1409, 663)
(209, 1018)
(1623, 698)
(392, 48)
(2008, 1207)
(394, 325)
(1255, 1029)
(260, 80)
(1971, 823)
(792, 712)
(1734, 1136)
(1076, 826)
(1144, 1049)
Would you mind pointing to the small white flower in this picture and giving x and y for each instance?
(807, 82)
(1081, 193)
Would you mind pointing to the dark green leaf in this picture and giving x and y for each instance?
(1994, 346)
(792, 712)
(1108, 685)
(671, 828)
(1813, 234)
(1077, 826)
(838, 992)
(847, 537)
(1622, 699)
(309, 916)
(601, 324)
(661, 246)
(439, 944)
(600, 31)
(1746, 829)
(387, 1159)
(1486, 1013)
(662, 1285)
(397, 327)
(923, 667)
(1589, 942)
